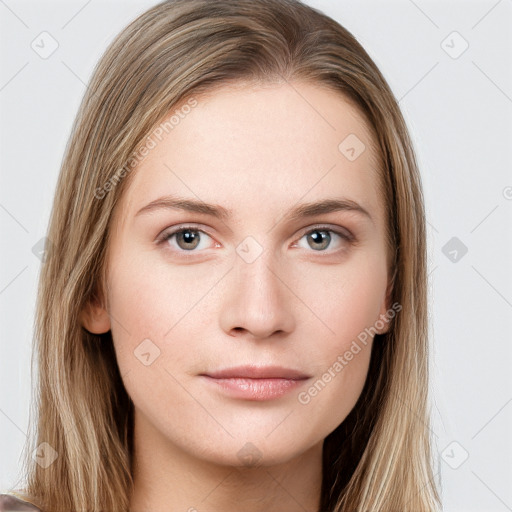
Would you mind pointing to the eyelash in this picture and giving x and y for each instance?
(346, 236)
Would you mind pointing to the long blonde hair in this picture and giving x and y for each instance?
(380, 457)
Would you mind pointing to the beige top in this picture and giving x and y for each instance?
(11, 503)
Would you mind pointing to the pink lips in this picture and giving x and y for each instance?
(256, 382)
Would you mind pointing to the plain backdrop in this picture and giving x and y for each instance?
(450, 66)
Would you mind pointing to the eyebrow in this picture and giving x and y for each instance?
(299, 212)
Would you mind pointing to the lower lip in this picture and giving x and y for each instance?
(255, 389)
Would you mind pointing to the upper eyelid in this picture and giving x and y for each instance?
(325, 227)
(181, 227)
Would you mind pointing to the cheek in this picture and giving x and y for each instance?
(150, 305)
(149, 295)
(346, 298)
(149, 299)
(347, 301)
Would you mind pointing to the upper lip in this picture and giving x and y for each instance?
(257, 372)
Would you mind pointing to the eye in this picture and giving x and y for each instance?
(192, 239)
(186, 238)
(321, 237)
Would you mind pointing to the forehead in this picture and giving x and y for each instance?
(256, 146)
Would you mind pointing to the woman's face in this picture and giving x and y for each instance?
(256, 280)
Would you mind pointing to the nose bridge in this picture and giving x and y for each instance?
(258, 277)
(257, 282)
(257, 299)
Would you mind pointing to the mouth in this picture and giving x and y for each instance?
(257, 383)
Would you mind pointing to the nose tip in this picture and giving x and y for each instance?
(256, 302)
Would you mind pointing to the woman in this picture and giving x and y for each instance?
(233, 312)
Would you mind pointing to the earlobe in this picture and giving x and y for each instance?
(95, 318)
(383, 324)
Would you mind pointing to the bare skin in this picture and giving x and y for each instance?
(287, 295)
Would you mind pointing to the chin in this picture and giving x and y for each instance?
(251, 451)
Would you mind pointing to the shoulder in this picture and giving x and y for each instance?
(11, 503)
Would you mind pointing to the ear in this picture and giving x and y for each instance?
(386, 306)
(94, 316)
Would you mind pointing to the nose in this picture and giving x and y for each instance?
(257, 302)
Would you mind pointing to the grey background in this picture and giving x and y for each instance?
(458, 108)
